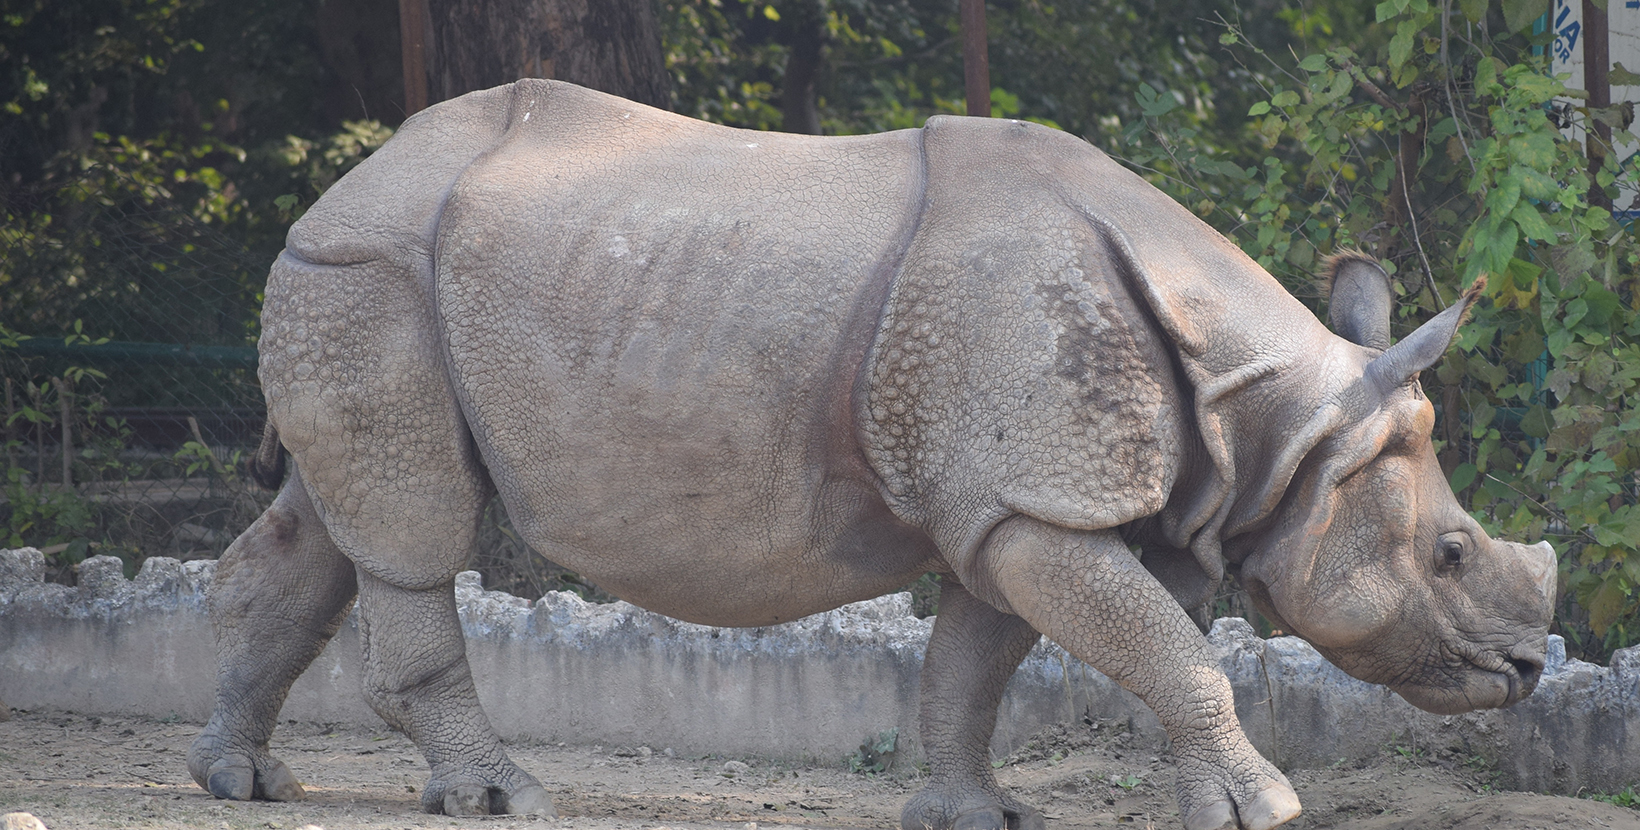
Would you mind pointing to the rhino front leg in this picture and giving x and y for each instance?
(1090, 594)
(417, 679)
(280, 592)
(971, 654)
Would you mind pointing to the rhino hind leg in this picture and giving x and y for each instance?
(1090, 594)
(418, 680)
(972, 652)
(280, 592)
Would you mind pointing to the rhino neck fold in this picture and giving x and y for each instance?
(1255, 364)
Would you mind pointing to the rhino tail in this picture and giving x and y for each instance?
(1470, 295)
(267, 466)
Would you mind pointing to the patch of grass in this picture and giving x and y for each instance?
(875, 754)
(1627, 797)
(1484, 769)
(1410, 752)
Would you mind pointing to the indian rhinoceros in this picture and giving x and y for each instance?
(741, 377)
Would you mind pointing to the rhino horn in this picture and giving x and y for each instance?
(1359, 299)
(1419, 350)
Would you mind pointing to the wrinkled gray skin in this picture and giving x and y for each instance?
(738, 378)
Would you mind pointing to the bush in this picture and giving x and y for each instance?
(1448, 158)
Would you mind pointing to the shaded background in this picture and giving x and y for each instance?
(153, 152)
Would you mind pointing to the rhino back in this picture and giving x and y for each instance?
(654, 327)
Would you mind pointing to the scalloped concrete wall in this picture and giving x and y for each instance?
(560, 669)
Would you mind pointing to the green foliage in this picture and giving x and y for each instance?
(1627, 797)
(115, 498)
(925, 596)
(187, 69)
(890, 64)
(133, 220)
(875, 754)
(46, 518)
(196, 458)
(720, 72)
(106, 504)
(1537, 400)
(143, 150)
(58, 520)
(318, 164)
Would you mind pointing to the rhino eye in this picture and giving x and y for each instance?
(1449, 552)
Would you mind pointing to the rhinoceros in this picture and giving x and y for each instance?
(739, 377)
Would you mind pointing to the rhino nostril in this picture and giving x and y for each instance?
(1528, 669)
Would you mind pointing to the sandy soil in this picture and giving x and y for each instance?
(83, 773)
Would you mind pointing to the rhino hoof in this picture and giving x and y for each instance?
(932, 810)
(1273, 807)
(467, 800)
(531, 800)
(1220, 815)
(233, 781)
(989, 818)
(1028, 818)
(278, 783)
(997, 818)
(237, 779)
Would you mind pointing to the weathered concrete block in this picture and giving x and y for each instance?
(21, 566)
(103, 578)
(561, 669)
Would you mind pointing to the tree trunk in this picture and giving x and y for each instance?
(1596, 74)
(799, 99)
(1400, 218)
(976, 61)
(413, 38)
(359, 44)
(609, 45)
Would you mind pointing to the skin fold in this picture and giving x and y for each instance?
(739, 378)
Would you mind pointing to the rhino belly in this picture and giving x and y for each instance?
(655, 338)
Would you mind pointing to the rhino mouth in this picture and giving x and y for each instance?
(1516, 671)
(1476, 678)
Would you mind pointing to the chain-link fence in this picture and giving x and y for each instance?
(128, 326)
(129, 367)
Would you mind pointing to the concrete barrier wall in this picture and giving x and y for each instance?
(560, 669)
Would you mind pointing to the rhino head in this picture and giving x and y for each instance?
(1369, 556)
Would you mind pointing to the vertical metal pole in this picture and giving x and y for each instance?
(1597, 64)
(976, 66)
(65, 409)
(413, 26)
(11, 448)
(36, 396)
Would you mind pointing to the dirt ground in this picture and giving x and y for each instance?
(77, 772)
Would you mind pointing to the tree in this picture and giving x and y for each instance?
(887, 64)
(1435, 141)
(609, 45)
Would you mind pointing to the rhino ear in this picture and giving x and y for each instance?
(1419, 350)
(1360, 299)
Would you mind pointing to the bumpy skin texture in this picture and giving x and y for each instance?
(971, 654)
(743, 377)
(281, 592)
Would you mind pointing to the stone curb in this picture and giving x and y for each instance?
(562, 669)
